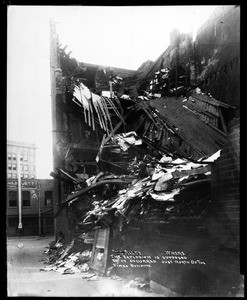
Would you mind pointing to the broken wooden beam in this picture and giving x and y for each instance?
(68, 175)
(59, 177)
(196, 171)
(88, 188)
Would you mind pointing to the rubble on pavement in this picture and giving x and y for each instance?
(152, 191)
(61, 261)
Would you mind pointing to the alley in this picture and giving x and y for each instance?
(24, 277)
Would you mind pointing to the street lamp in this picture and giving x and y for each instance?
(19, 190)
(34, 195)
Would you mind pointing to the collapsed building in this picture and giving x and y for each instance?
(147, 161)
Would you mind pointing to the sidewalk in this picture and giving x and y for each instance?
(25, 278)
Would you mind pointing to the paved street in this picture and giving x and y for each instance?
(24, 277)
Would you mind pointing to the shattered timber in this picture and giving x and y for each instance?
(147, 161)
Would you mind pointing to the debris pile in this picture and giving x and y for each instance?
(156, 181)
(140, 284)
(60, 259)
(157, 189)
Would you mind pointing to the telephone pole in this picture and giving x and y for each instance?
(19, 191)
(39, 188)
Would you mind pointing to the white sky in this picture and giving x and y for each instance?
(120, 36)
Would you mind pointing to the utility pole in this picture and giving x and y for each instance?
(39, 188)
(19, 190)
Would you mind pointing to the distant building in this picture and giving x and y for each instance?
(27, 160)
(34, 194)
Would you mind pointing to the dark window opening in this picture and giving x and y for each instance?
(12, 198)
(48, 198)
(12, 222)
(26, 222)
(26, 198)
(29, 222)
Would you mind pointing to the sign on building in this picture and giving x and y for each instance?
(25, 184)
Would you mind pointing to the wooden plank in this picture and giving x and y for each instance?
(97, 184)
(117, 127)
(199, 170)
(107, 112)
(100, 148)
(217, 129)
(85, 163)
(222, 122)
(105, 258)
(211, 101)
(94, 246)
(68, 175)
(196, 182)
(114, 165)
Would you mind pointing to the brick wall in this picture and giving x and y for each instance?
(212, 238)
(217, 55)
(225, 197)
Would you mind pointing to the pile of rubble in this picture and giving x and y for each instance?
(155, 180)
(60, 259)
(156, 189)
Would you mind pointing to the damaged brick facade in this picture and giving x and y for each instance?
(211, 62)
(217, 55)
(211, 237)
(226, 199)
